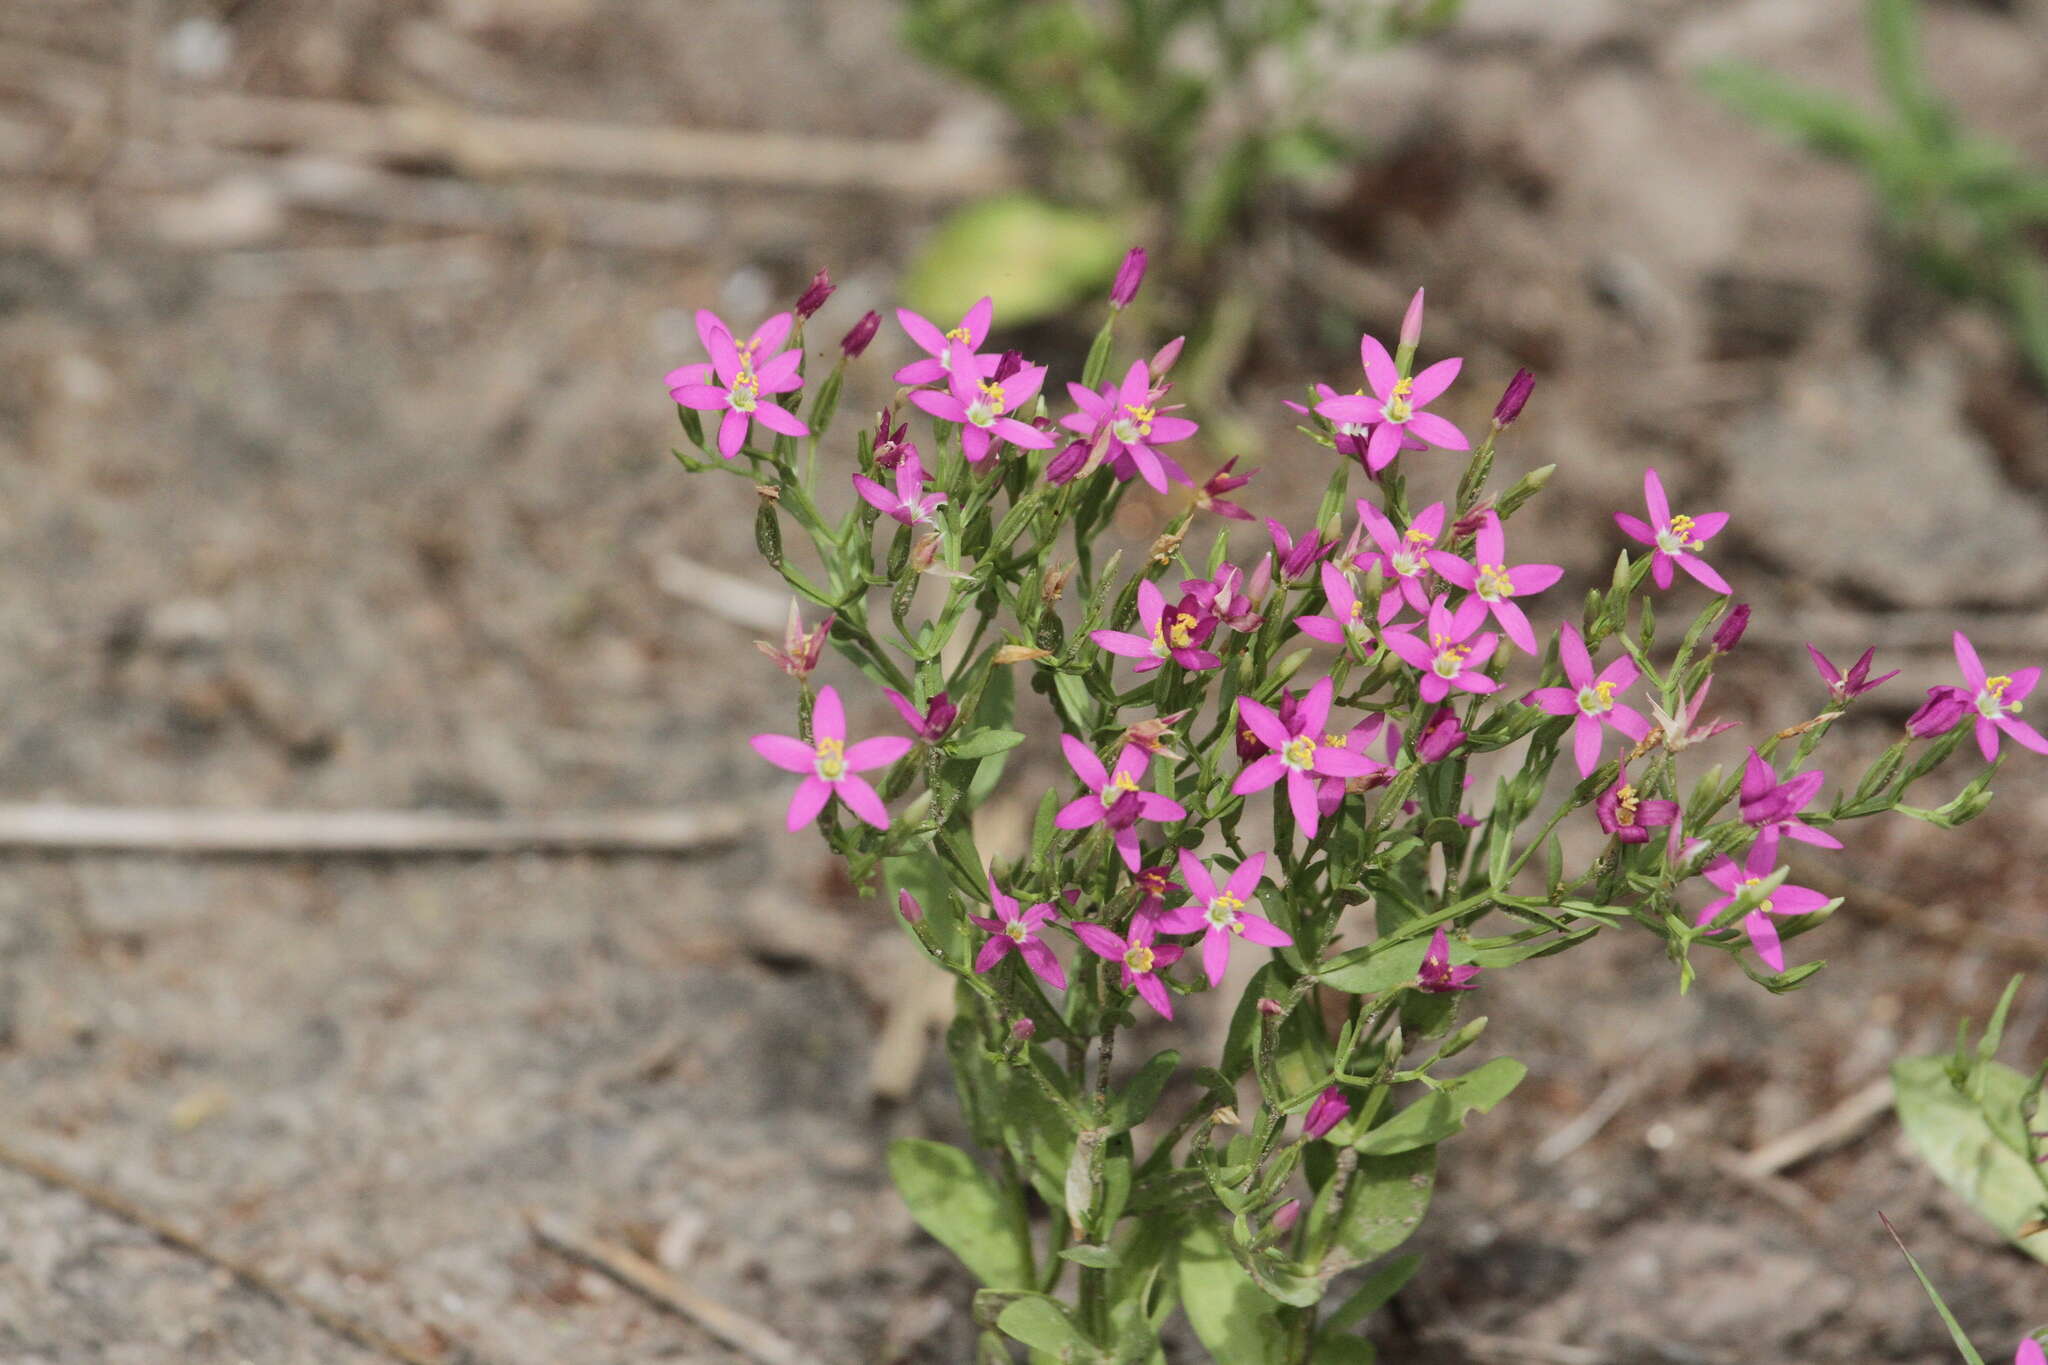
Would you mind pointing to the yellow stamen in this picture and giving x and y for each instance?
(831, 759)
(1183, 630)
(1494, 581)
(1139, 958)
(1300, 751)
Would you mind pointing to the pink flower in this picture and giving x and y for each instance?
(1438, 976)
(1177, 635)
(1017, 931)
(744, 371)
(1155, 884)
(1329, 1110)
(1220, 914)
(1395, 409)
(982, 407)
(1296, 752)
(930, 724)
(1997, 700)
(829, 764)
(1440, 736)
(1225, 597)
(1345, 625)
(800, 648)
(954, 349)
(1494, 583)
(1943, 710)
(1293, 559)
(1625, 814)
(890, 447)
(2030, 1353)
(1140, 958)
(909, 504)
(1404, 556)
(1127, 423)
(1848, 686)
(1774, 806)
(1330, 791)
(1786, 900)
(1678, 539)
(1209, 497)
(1591, 699)
(1448, 661)
(1114, 798)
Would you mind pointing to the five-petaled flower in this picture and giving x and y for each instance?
(1678, 539)
(954, 349)
(909, 503)
(1629, 816)
(1453, 657)
(1590, 698)
(930, 724)
(1493, 582)
(1403, 555)
(1014, 930)
(1124, 424)
(1852, 684)
(982, 404)
(1774, 806)
(746, 373)
(1346, 624)
(830, 765)
(1140, 957)
(800, 649)
(1299, 750)
(1732, 881)
(1395, 407)
(1220, 914)
(1177, 633)
(1438, 976)
(1329, 1110)
(1115, 798)
(1998, 699)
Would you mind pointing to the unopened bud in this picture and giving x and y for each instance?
(1023, 1030)
(1129, 276)
(1285, 1217)
(1464, 1037)
(813, 298)
(1940, 713)
(1729, 632)
(1411, 325)
(1514, 399)
(1163, 358)
(907, 906)
(860, 334)
(1008, 366)
(1270, 1007)
(1067, 465)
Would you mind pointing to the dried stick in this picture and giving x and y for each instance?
(1839, 1125)
(126, 1209)
(83, 829)
(643, 1277)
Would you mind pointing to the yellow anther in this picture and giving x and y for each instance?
(1227, 903)
(831, 759)
(1300, 751)
(1183, 630)
(958, 334)
(1494, 581)
(1139, 958)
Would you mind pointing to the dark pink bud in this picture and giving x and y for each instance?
(1943, 710)
(1286, 1216)
(1440, 736)
(1011, 362)
(813, 298)
(1023, 1030)
(1129, 276)
(860, 334)
(1517, 396)
(1326, 1113)
(1067, 463)
(1469, 524)
(907, 906)
(939, 717)
(1729, 633)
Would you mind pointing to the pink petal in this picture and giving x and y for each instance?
(1259, 774)
(709, 324)
(1703, 571)
(1079, 813)
(1763, 936)
(1571, 652)
(1586, 744)
(1200, 883)
(1314, 710)
(1636, 527)
(1431, 383)
(1264, 725)
(1987, 740)
(1301, 796)
(2023, 734)
(1437, 431)
(770, 335)
(877, 752)
(1558, 701)
(1038, 957)
(1122, 643)
(1526, 579)
(732, 433)
(1517, 626)
(993, 951)
(1246, 878)
(1154, 991)
(1384, 446)
(809, 798)
(1099, 940)
(860, 798)
(1083, 761)
(702, 397)
(1379, 366)
(1967, 661)
(786, 752)
(779, 420)
(925, 333)
(977, 320)
(1654, 499)
(828, 716)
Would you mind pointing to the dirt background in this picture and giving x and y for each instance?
(328, 492)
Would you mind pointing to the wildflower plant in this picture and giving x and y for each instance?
(1328, 777)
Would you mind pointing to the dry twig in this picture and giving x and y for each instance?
(1839, 1125)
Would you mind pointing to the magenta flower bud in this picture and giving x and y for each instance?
(1163, 358)
(1729, 633)
(1411, 324)
(1440, 736)
(1438, 976)
(1326, 1113)
(1067, 465)
(813, 298)
(1270, 1007)
(907, 906)
(1023, 1030)
(1007, 367)
(1129, 276)
(1285, 1217)
(1514, 399)
(1943, 710)
(860, 334)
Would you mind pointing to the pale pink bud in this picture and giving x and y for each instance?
(1163, 358)
(1270, 1007)
(1286, 1216)
(907, 906)
(1411, 325)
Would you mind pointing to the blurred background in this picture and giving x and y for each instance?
(334, 478)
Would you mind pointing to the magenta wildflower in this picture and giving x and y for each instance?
(744, 372)
(909, 504)
(1014, 930)
(1127, 423)
(1345, 625)
(800, 648)
(982, 407)
(1943, 710)
(1438, 976)
(1513, 399)
(1405, 557)
(1678, 539)
(951, 350)
(1843, 687)
(1495, 583)
(1299, 751)
(1220, 914)
(1225, 598)
(1997, 700)
(892, 448)
(859, 336)
(1440, 736)
(1329, 1110)
(1590, 699)
(1728, 634)
(1396, 405)
(830, 765)
(1114, 798)
(1140, 958)
(1209, 497)
(929, 725)
(1625, 814)
(812, 299)
(1177, 635)
(1293, 559)
(1352, 438)
(1786, 900)
(1155, 884)
(1330, 791)
(1773, 806)
(1453, 657)
(1129, 276)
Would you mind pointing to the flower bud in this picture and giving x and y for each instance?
(1329, 1110)
(860, 334)
(1411, 324)
(1285, 1217)
(813, 298)
(1129, 276)
(1270, 1007)
(1163, 358)
(1440, 735)
(1943, 710)
(1514, 399)
(1023, 1030)
(1011, 362)
(1729, 632)
(907, 906)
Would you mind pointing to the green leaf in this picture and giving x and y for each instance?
(1951, 1132)
(1385, 1204)
(957, 1204)
(1035, 258)
(1955, 1329)
(1432, 1119)
(1234, 1318)
(984, 743)
(1098, 1257)
(1134, 1105)
(1342, 1350)
(1373, 969)
(1041, 1323)
(1370, 1297)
